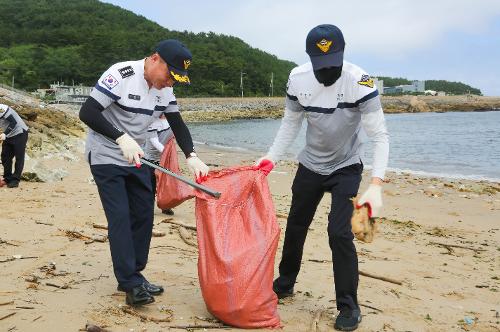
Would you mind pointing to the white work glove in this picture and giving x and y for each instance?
(2, 137)
(373, 198)
(130, 149)
(198, 168)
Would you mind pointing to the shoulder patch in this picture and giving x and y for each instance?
(366, 80)
(126, 71)
(110, 81)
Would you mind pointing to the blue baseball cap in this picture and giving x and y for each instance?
(178, 59)
(325, 46)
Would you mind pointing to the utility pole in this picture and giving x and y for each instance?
(241, 82)
(12, 81)
(272, 84)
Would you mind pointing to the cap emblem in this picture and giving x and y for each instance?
(187, 63)
(324, 45)
(180, 78)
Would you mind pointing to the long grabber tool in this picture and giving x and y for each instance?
(181, 178)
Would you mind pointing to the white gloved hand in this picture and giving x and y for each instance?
(373, 197)
(198, 168)
(2, 137)
(265, 164)
(130, 149)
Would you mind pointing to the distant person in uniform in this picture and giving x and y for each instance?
(127, 98)
(162, 133)
(338, 99)
(14, 137)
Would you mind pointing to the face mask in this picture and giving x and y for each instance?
(328, 76)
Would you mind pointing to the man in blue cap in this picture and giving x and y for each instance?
(338, 99)
(127, 98)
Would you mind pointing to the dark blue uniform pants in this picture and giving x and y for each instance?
(128, 202)
(308, 189)
(14, 147)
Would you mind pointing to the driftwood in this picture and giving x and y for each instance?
(7, 316)
(8, 243)
(366, 274)
(57, 286)
(86, 238)
(178, 223)
(44, 223)
(143, 317)
(6, 303)
(367, 306)
(282, 216)
(14, 257)
(100, 226)
(186, 237)
(450, 247)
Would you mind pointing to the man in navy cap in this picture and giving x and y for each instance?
(338, 99)
(127, 98)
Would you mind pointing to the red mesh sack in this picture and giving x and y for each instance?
(170, 192)
(237, 240)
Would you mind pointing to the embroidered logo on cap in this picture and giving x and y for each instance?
(110, 81)
(187, 63)
(324, 45)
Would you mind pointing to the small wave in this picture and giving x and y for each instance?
(450, 176)
(223, 147)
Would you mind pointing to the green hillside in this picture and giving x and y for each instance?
(44, 41)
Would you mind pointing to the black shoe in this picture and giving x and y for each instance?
(139, 296)
(168, 212)
(150, 288)
(12, 184)
(282, 293)
(348, 320)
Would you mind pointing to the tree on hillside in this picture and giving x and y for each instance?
(72, 40)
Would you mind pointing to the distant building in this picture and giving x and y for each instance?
(416, 86)
(71, 94)
(393, 90)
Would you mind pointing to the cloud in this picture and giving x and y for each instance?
(391, 28)
(426, 39)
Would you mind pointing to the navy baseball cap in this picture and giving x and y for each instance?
(178, 59)
(325, 46)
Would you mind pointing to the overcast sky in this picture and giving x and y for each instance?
(455, 40)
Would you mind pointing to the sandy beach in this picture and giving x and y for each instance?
(439, 239)
(433, 266)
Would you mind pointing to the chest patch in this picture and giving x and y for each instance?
(366, 80)
(126, 71)
(134, 97)
(110, 81)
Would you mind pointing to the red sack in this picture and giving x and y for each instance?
(237, 240)
(170, 192)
